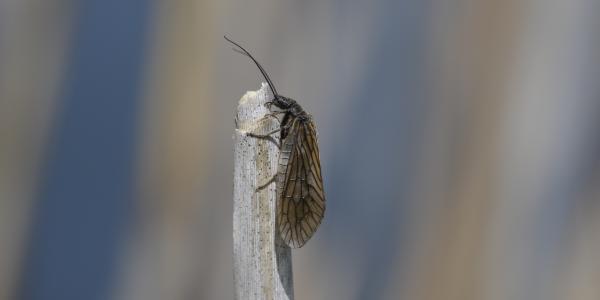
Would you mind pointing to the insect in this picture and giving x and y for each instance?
(300, 205)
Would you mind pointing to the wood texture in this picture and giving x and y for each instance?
(262, 262)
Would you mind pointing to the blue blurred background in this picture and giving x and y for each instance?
(460, 143)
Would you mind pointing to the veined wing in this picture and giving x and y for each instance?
(301, 200)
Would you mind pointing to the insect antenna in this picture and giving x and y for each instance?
(264, 73)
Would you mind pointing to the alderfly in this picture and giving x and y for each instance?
(300, 198)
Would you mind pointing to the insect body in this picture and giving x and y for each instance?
(300, 203)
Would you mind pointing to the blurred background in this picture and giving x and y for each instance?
(460, 144)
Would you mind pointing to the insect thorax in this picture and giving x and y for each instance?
(290, 106)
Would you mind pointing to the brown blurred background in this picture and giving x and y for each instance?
(460, 143)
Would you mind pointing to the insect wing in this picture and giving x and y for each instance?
(301, 204)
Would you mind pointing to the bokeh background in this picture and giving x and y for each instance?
(460, 143)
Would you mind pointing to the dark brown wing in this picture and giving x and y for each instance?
(301, 204)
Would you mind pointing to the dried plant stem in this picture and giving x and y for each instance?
(262, 262)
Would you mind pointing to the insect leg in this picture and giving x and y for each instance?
(266, 137)
(272, 115)
(269, 104)
(263, 136)
(262, 186)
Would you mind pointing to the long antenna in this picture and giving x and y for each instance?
(257, 64)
